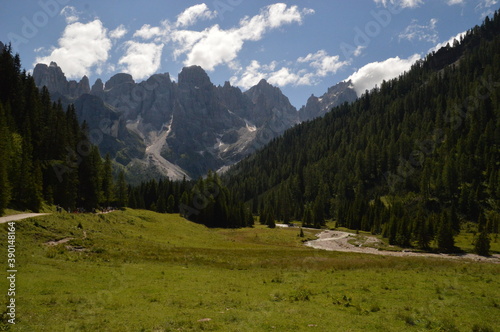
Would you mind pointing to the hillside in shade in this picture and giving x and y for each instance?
(415, 159)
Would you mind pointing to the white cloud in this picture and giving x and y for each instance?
(253, 73)
(82, 47)
(415, 31)
(401, 3)
(148, 32)
(193, 14)
(449, 41)
(323, 63)
(250, 77)
(487, 3)
(119, 32)
(367, 77)
(485, 7)
(308, 70)
(215, 46)
(211, 48)
(359, 50)
(141, 59)
(70, 13)
(455, 2)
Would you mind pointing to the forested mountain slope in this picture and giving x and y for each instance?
(412, 159)
(46, 156)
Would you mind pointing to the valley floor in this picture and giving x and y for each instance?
(142, 271)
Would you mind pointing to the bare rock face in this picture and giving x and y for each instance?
(272, 107)
(54, 79)
(118, 80)
(162, 128)
(97, 89)
(336, 95)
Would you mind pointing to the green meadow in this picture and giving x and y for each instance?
(142, 271)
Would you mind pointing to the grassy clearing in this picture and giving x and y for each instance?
(141, 271)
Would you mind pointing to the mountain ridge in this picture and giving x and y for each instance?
(200, 126)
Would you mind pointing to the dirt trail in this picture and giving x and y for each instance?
(339, 241)
(20, 217)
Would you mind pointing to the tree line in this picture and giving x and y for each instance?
(205, 201)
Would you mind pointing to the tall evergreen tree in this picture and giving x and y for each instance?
(5, 156)
(108, 188)
(121, 190)
(444, 236)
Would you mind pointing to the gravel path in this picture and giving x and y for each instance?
(20, 217)
(339, 241)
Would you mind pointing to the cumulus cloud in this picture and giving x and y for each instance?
(141, 59)
(193, 14)
(323, 63)
(82, 47)
(70, 13)
(401, 3)
(415, 31)
(307, 70)
(119, 32)
(215, 46)
(253, 73)
(367, 77)
(449, 41)
(147, 32)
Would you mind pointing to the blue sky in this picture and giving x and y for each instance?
(302, 46)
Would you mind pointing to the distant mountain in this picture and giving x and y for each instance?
(336, 95)
(162, 128)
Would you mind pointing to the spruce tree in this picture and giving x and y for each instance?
(482, 243)
(444, 237)
(121, 190)
(5, 156)
(108, 189)
(171, 204)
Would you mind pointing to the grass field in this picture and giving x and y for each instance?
(142, 271)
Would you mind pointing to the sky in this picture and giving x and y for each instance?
(302, 46)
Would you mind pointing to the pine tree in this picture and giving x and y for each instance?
(444, 235)
(89, 174)
(422, 234)
(5, 156)
(122, 190)
(108, 189)
(482, 243)
(171, 204)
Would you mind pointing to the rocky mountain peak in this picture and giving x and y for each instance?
(50, 76)
(118, 79)
(193, 77)
(97, 88)
(84, 85)
(335, 96)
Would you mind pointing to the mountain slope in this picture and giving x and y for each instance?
(428, 142)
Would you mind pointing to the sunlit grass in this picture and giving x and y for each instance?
(142, 271)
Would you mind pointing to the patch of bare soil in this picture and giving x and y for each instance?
(68, 247)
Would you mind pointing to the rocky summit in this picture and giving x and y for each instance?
(160, 127)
